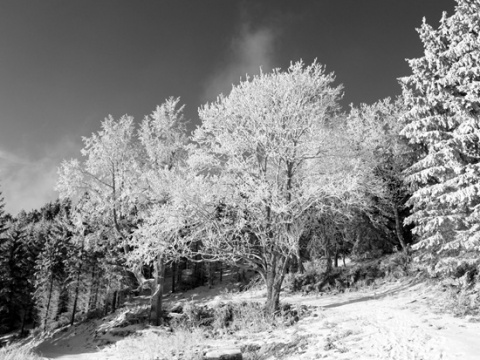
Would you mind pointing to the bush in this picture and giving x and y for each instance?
(316, 279)
(94, 314)
(250, 317)
(223, 316)
(462, 302)
(396, 265)
(36, 331)
(307, 281)
(233, 317)
(469, 270)
(149, 345)
(367, 271)
(16, 352)
(193, 316)
(466, 269)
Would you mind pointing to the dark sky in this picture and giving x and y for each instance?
(66, 65)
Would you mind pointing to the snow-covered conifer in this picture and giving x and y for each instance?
(443, 100)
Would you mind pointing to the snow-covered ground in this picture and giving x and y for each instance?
(395, 321)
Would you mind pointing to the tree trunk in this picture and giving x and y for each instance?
(105, 309)
(174, 274)
(274, 278)
(300, 268)
(77, 287)
(114, 301)
(336, 256)
(137, 272)
(95, 296)
(328, 256)
(32, 316)
(241, 275)
(181, 267)
(92, 297)
(273, 297)
(357, 242)
(74, 308)
(48, 304)
(11, 312)
(157, 296)
(120, 297)
(210, 274)
(398, 228)
(22, 329)
(221, 271)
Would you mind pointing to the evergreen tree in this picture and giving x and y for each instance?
(443, 100)
(3, 216)
(33, 243)
(14, 286)
(50, 281)
(75, 264)
(3, 265)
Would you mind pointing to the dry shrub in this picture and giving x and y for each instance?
(193, 316)
(462, 295)
(232, 317)
(149, 345)
(251, 317)
(460, 302)
(460, 284)
(310, 280)
(17, 352)
(397, 265)
(317, 279)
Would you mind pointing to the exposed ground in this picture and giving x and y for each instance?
(401, 320)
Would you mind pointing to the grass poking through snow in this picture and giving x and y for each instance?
(153, 345)
(16, 352)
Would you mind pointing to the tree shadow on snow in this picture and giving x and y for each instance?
(375, 296)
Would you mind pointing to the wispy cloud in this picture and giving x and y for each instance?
(10, 158)
(250, 50)
(27, 181)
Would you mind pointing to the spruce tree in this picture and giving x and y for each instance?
(443, 100)
(77, 273)
(14, 286)
(50, 281)
(3, 217)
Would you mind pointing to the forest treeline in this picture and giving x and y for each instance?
(276, 174)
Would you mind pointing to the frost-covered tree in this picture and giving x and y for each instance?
(265, 156)
(124, 183)
(51, 276)
(162, 142)
(443, 100)
(103, 181)
(374, 131)
(76, 268)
